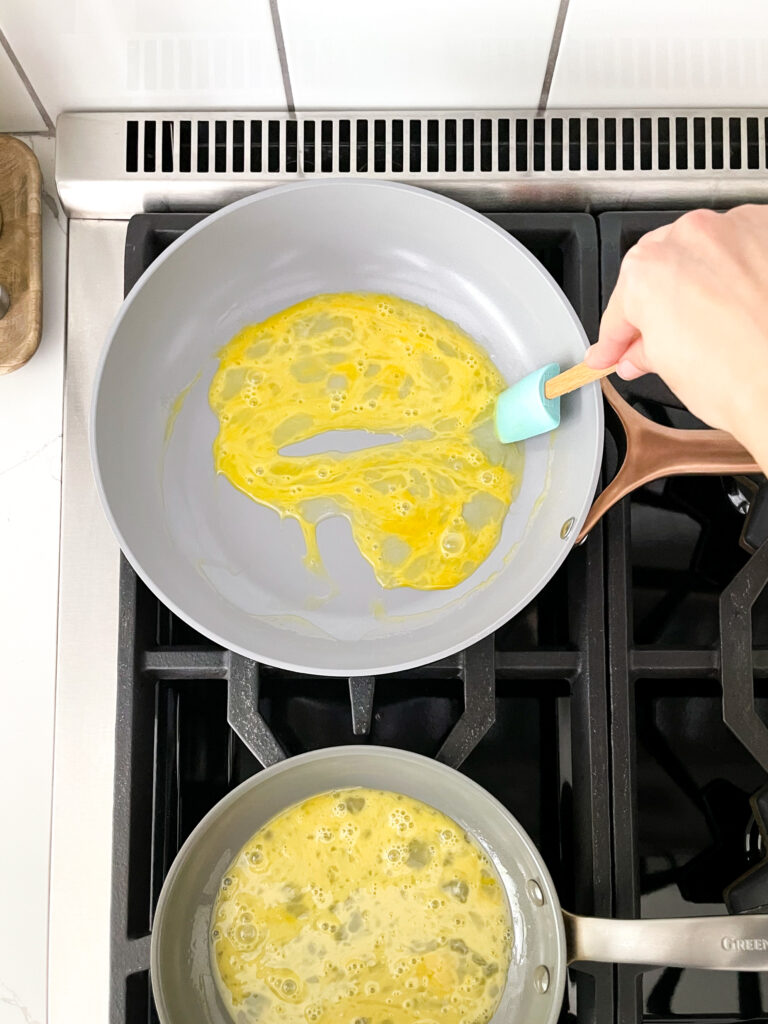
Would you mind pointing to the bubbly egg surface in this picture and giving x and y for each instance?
(425, 510)
(361, 906)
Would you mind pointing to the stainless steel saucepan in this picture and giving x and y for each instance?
(230, 567)
(545, 937)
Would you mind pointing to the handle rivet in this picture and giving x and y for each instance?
(541, 979)
(534, 892)
(566, 528)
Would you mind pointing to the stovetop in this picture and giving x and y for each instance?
(596, 715)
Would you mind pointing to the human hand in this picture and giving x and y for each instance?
(691, 304)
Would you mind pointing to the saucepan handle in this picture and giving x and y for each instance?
(738, 943)
(654, 451)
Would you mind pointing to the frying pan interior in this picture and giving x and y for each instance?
(231, 567)
(184, 989)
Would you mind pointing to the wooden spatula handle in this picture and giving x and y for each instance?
(574, 378)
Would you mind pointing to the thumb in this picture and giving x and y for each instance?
(617, 333)
(627, 370)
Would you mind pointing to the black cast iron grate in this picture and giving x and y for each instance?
(566, 731)
(687, 668)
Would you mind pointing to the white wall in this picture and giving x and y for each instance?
(145, 54)
(18, 112)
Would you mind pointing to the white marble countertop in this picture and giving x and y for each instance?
(30, 501)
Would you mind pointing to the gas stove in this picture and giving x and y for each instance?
(622, 717)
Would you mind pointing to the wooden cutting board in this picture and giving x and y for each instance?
(20, 253)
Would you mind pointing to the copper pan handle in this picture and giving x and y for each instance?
(654, 451)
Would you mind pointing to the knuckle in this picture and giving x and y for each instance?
(750, 215)
(746, 210)
(697, 224)
(637, 265)
(635, 258)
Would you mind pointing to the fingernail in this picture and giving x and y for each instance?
(627, 370)
(590, 357)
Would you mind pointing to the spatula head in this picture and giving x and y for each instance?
(524, 410)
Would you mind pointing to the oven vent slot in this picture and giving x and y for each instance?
(443, 145)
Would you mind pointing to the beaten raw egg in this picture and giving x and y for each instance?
(361, 906)
(426, 510)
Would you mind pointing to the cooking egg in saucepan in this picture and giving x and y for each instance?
(361, 905)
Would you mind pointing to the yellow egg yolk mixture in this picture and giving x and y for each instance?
(361, 906)
(426, 510)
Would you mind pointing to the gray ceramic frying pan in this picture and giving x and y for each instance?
(232, 568)
(546, 938)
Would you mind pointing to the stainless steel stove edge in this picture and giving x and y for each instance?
(86, 671)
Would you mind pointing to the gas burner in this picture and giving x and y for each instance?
(749, 893)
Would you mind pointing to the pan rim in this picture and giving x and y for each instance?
(382, 667)
(557, 984)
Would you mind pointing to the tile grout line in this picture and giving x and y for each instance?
(282, 57)
(50, 126)
(554, 50)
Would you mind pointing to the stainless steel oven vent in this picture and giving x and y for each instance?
(444, 145)
(498, 158)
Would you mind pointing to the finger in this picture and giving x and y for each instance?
(617, 333)
(611, 347)
(612, 344)
(634, 362)
(627, 370)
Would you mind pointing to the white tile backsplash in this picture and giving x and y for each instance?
(666, 53)
(417, 53)
(145, 54)
(17, 111)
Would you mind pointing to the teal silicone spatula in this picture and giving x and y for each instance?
(532, 405)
